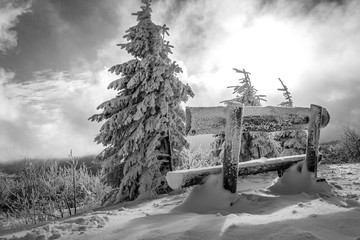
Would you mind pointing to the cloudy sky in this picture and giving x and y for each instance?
(54, 56)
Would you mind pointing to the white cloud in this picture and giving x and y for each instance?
(355, 119)
(48, 115)
(52, 115)
(8, 107)
(9, 13)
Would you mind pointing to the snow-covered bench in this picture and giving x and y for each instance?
(235, 119)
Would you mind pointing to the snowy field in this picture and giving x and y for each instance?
(265, 207)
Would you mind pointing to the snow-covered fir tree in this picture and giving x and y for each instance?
(292, 142)
(287, 95)
(253, 144)
(144, 123)
(246, 93)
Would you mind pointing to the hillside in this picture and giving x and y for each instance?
(262, 208)
(17, 165)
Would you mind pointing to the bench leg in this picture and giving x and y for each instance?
(312, 147)
(232, 145)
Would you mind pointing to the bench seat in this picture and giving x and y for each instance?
(188, 177)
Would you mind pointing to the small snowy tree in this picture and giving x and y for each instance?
(287, 95)
(350, 144)
(145, 116)
(246, 93)
(292, 142)
(253, 144)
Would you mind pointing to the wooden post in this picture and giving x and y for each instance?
(312, 147)
(232, 145)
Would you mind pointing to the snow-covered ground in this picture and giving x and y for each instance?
(293, 207)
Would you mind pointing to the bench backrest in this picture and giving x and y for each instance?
(212, 120)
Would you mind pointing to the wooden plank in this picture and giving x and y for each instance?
(190, 177)
(312, 146)
(212, 120)
(232, 145)
(205, 120)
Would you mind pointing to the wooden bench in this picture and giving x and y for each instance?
(235, 119)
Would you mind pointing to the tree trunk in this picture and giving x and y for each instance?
(74, 186)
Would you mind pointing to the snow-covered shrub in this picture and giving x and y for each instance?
(350, 144)
(345, 150)
(196, 158)
(45, 190)
(332, 153)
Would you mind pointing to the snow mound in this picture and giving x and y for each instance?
(292, 233)
(297, 180)
(211, 197)
(57, 230)
(174, 180)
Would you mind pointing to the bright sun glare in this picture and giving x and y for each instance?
(269, 49)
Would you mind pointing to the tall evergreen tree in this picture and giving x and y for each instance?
(253, 144)
(292, 142)
(145, 116)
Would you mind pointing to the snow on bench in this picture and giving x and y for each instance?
(235, 119)
(188, 177)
